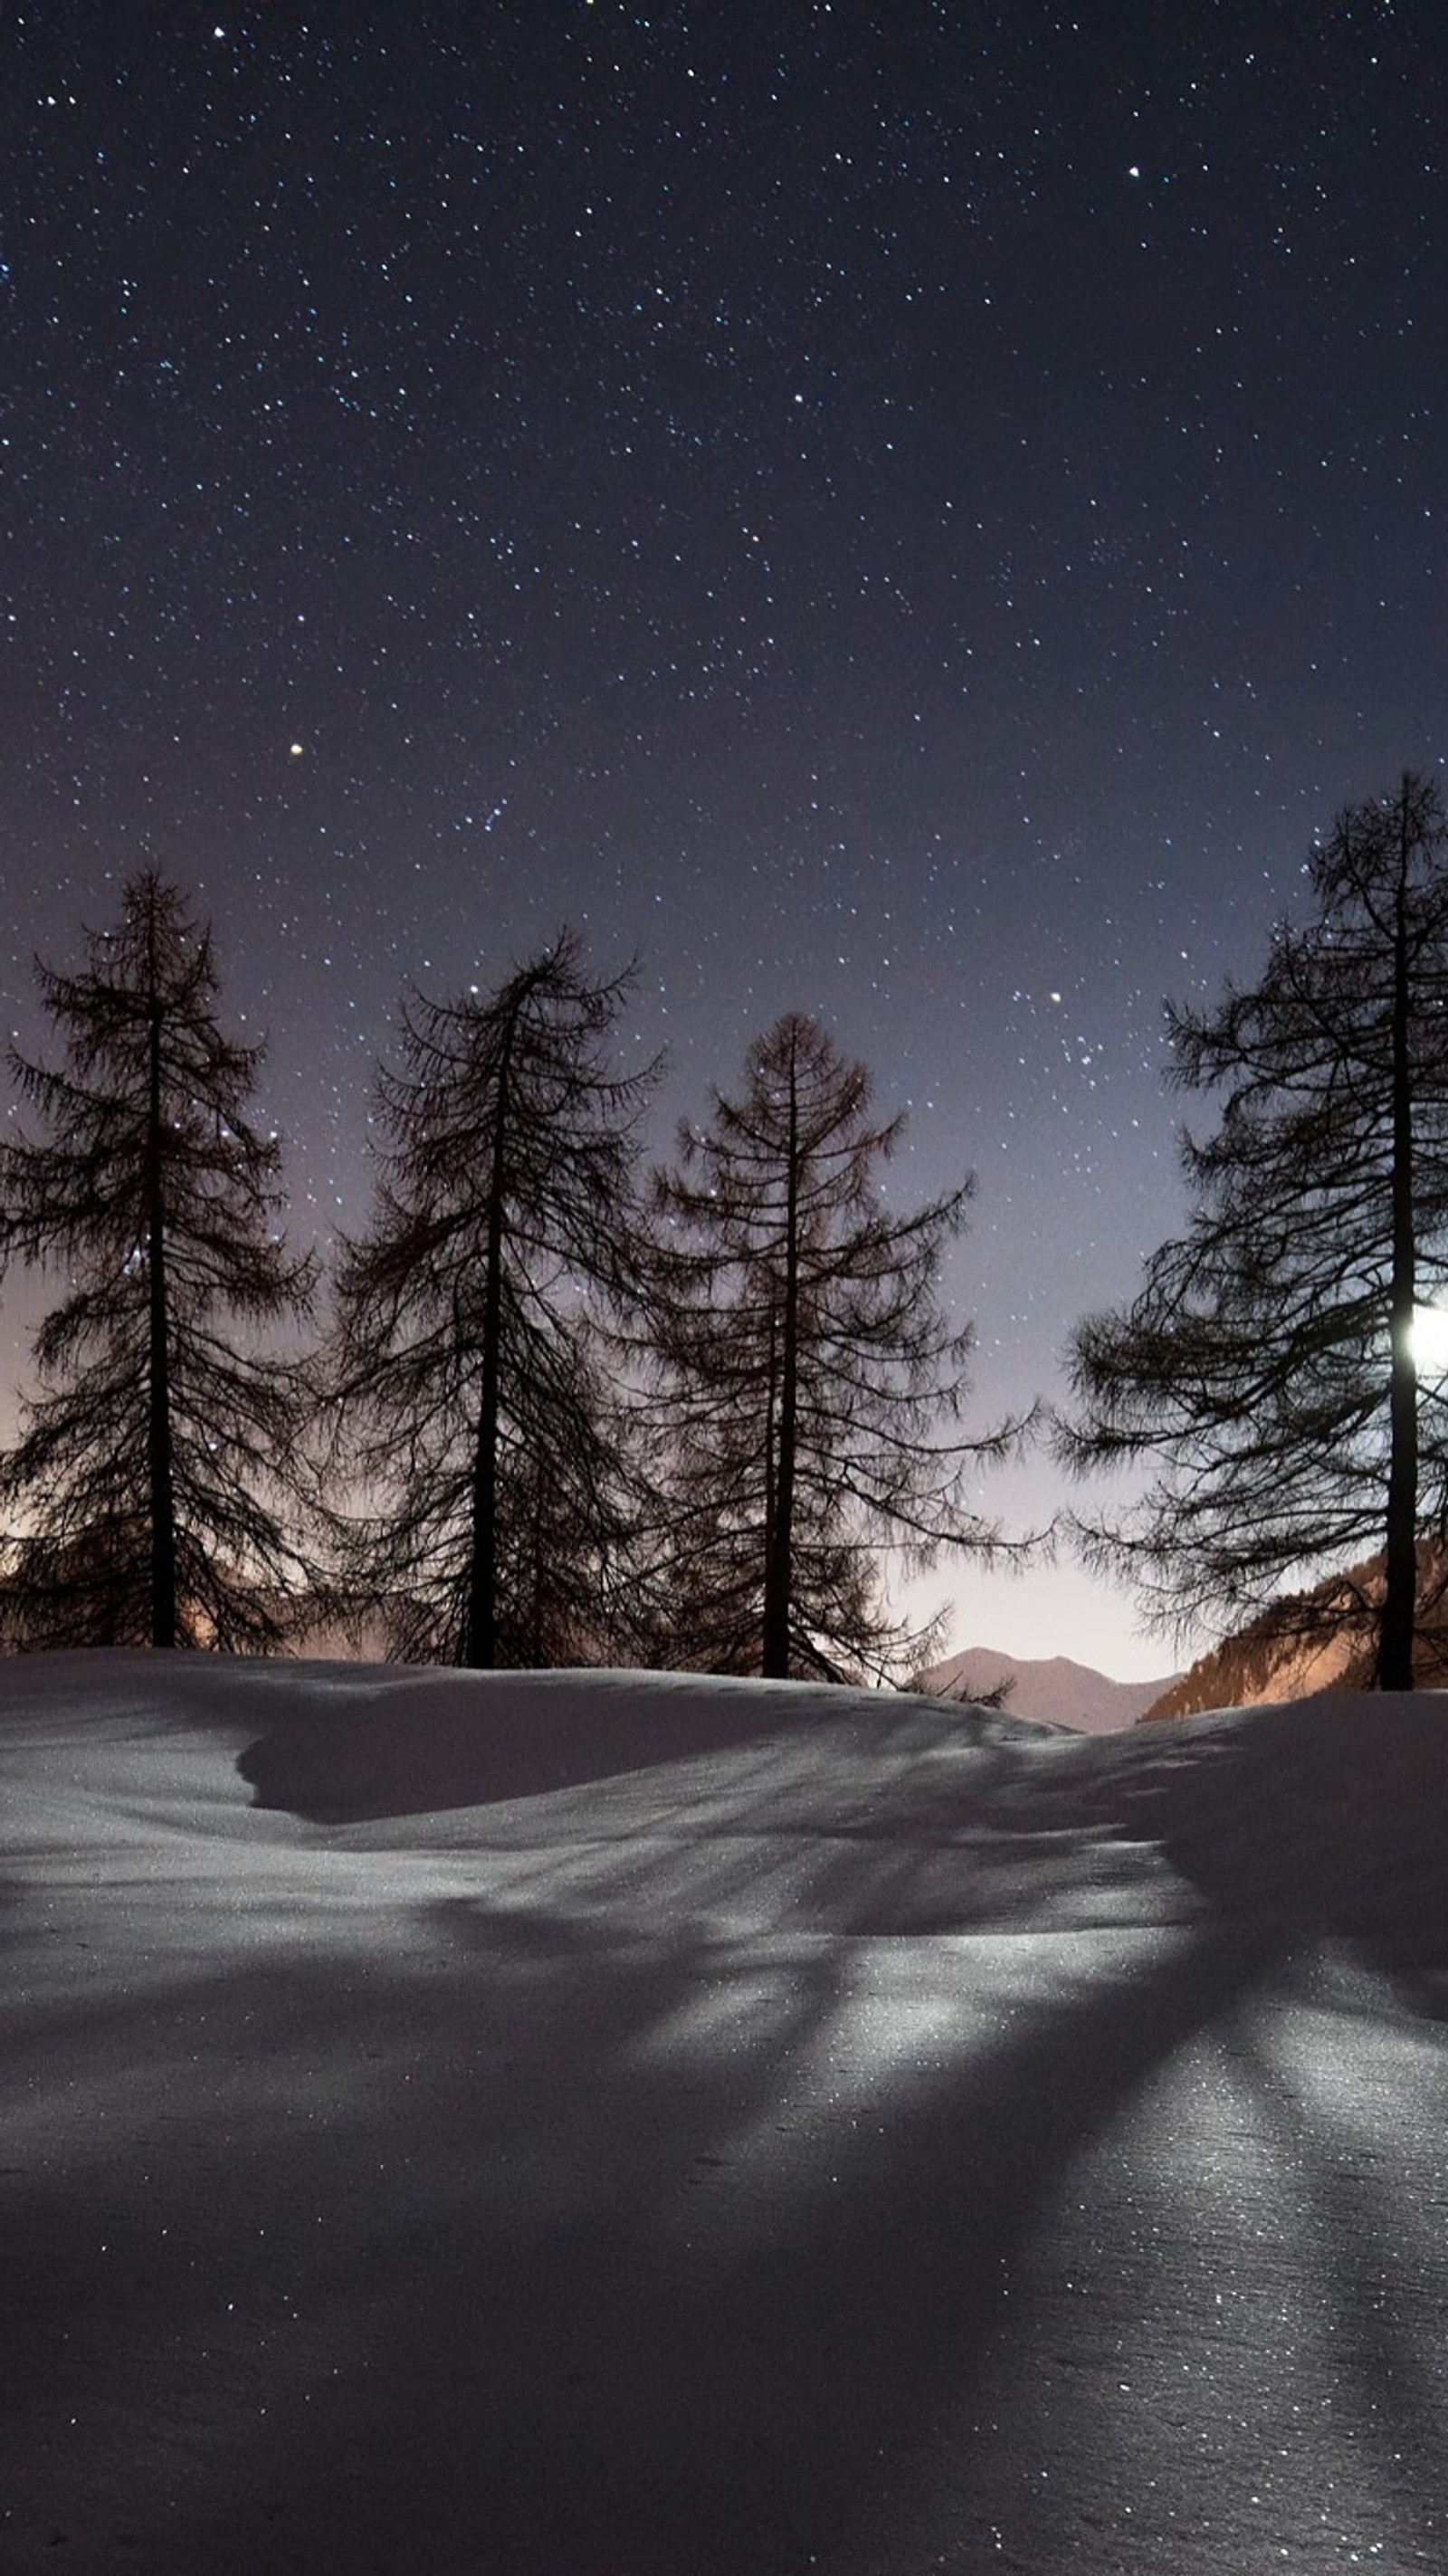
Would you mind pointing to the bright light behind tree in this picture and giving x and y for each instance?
(1430, 1340)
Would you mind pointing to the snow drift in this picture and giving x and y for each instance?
(620, 2125)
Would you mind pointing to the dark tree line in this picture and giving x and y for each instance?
(572, 1423)
(577, 1420)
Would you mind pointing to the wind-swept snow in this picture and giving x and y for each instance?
(618, 2125)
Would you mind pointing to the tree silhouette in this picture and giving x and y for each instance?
(1268, 1363)
(158, 1464)
(808, 1379)
(472, 1397)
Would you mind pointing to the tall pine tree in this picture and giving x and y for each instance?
(1268, 1365)
(810, 1384)
(472, 1399)
(156, 1478)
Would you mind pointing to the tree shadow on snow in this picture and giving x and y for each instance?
(1329, 1818)
(557, 2238)
(399, 1752)
(554, 2247)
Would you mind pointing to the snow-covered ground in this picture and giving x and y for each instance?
(619, 2125)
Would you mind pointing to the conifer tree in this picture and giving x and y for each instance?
(1268, 1364)
(809, 1382)
(472, 1397)
(158, 1464)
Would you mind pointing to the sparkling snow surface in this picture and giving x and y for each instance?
(616, 2125)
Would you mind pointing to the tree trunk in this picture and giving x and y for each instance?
(779, 1547)
(158, 1402)
(1399, 1611)
(481, 1644)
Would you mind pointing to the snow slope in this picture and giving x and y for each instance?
(617, 2125)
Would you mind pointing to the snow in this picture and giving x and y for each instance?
(620, 2125)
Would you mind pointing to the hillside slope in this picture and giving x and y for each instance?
(1314, 1641)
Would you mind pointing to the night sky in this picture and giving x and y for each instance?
(913, 513)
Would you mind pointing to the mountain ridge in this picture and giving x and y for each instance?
(1049, 1690)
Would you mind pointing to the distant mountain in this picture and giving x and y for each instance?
(1053, 1691)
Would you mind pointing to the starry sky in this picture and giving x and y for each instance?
(916, 513)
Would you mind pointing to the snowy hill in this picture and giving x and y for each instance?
(630, 2125)
(1054, 1690)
